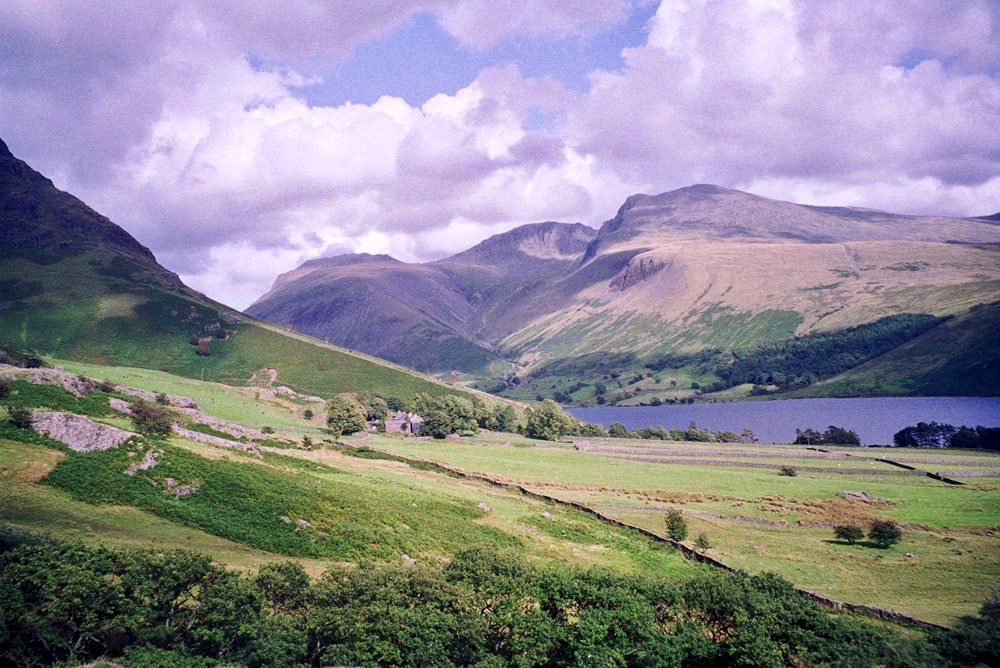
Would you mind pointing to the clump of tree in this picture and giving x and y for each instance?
(940, 435)
(344, 415)
(832, 436)
(676, 525)
(151, 419)
(549, 422)
(884, 533)
(448, 414)
(974, 641)
(849, 532)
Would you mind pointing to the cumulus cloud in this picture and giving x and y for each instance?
(184, 121)
(845, 93)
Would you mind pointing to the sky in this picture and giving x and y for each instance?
(239, 138)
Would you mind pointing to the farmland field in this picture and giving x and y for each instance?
(759, 520)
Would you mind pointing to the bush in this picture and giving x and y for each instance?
(307, 414)
(788, 471)
(266, 430)
(161, 399)
(106, 386)
(701, 542)
(849, 532)
(20, 415)
(5, 385)
(151, 419)
(676, 526)
(884, 534)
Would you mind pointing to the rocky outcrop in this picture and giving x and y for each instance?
(636, 272)
(199, 437)
(81, 434)
(71, 382)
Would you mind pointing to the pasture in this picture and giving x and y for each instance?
(759, 520)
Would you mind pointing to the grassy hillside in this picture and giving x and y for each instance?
(70, 310)
(959, 356)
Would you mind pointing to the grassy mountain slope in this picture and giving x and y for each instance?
(959, 356)
(74, 285)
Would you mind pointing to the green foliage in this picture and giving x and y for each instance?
(849, 532)
(151, 419)
(618, 430)
(375, 406)
(702, 542)
(832, 436)
(345, 415)
(75, 604)
(5, 385)
(19, 415)
(884, 533)
(506, 419)
(975, 641)
(447, 415)
(936, 435)
(676, 525)
(788, 471)
(549, 422)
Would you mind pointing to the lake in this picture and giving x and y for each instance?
(875, 419)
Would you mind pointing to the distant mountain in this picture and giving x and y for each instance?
(695, 268)
(75, 285)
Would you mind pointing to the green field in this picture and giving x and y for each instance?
(758, 520)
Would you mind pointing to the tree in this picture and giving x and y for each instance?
(437, 423)
(702, 542)
(20, 415)
(676, 526)
(459, 415)
(375, 406)
(788, 471)
(849, 532)
(307, 414)
(884, 534)
(618, 430)
(548, 422)
(151, 419)
(506, 419)
(345, 415)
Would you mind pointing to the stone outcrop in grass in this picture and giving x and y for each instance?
(81, 434)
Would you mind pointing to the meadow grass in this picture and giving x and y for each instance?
(753, 516)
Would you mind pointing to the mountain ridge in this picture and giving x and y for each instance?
(696, 267)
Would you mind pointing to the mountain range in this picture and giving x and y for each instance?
(699, 268)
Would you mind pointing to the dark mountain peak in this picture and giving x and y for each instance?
(994, 218)
(39, 219)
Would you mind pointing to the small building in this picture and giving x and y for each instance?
(403, 423)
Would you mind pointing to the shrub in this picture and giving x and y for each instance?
(618, 430)
(788, 471)
(106, 386)
(151, 419)
(20, 415)
(5, 385)
(307, 414)
(161, 399)
(884, 534)
(676, 526)
(701, 542)
(849, 532)
(266, 430)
